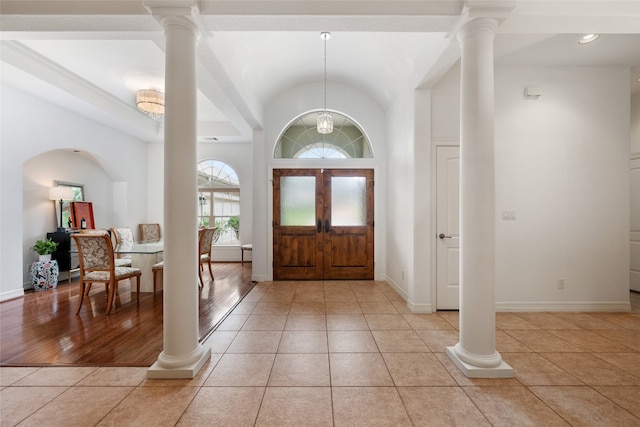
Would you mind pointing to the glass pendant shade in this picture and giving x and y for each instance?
(150, 102)
(325, 123)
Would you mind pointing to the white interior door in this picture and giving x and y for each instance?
(448, 228)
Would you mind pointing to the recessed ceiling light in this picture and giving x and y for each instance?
(588, 38)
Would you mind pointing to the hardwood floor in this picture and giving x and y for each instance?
(41, 328)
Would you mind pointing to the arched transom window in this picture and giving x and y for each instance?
(301, 140)
(219, 201)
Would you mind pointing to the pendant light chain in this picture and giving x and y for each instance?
(325, 120)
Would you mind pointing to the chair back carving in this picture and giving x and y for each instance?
(150, 232)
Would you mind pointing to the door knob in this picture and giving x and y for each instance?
(444, 236)
(319, 228)
(327, 227)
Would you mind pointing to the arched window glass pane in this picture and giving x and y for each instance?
(219, 201)
(301, 140)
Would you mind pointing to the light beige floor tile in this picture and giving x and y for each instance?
(378, 307)
(507, 344)
(542, 341)
(223, 406)
(303, 342)
(342, 307)
(55, 376)
(242, 370)
(281, 295)
(295, 406)
(17, 403)
(272, 308)
(306, 322)
(585, 321)
(461, 380)
(452, 317)
(623, 336)
(71, 408)
(265, 322)
(307, 307)
(513, 406)
(255, 342)
(547, 321)
(9, 375)
(351, 341)
(417, 369)
(245, 307)
(368, 406)
(533, 369)
(626, 396)
(151, 406)
(401, 306)
(358, 369)
(438, 341)
(233, 322)
(300, 370)
(197, 381)
(347, 322)
(584, 406)
(622, 320)
(382, 322)
(115, 376)
(591, 369)
(509, 321)
(628, 362)
(427, 322)
(399, 341)
(219, 341)
(441, 406)
(337, 293)
(316, 295)
(369, 295)
(590, 341)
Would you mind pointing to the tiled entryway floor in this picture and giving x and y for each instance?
(349, 354)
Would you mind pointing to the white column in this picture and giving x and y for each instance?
(182, 356)
(475, 354)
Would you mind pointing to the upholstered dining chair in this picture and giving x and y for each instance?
(205, 240)
(150, 232)
(97, 265)
(120, 262)
(122, 235)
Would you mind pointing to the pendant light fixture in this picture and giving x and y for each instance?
(325, 120)
(151, 102)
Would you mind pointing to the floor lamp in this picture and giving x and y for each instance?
(60, 193)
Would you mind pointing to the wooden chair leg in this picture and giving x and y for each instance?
(82, 285)
(112, 292)
(200, 276)
(211, 271)
(155, 280)
(138, 287)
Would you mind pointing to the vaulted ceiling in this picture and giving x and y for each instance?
(92, 56)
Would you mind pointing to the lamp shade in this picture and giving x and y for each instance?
(60, 192)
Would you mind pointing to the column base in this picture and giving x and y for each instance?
(188, 371)
(503, 370)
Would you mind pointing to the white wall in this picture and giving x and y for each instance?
(31, 127)
(635, 123)
(562, 166)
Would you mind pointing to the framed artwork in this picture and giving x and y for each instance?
(82, 212)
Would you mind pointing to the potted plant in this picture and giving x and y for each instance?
(45, 248)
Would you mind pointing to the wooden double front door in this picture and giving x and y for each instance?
(323, 224)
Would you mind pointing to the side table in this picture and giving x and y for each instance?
(44, 275)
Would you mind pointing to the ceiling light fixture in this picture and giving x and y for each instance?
(325, 120)
(151, 102)
(588, 38)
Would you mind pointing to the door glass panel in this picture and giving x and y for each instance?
(348, 200)
(298, 200)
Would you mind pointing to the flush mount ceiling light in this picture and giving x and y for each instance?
(151, 102)
(325, 120)
(588, 38)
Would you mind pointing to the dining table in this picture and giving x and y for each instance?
(143, 255)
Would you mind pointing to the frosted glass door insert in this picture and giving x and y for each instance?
(348, 201)
(298, 200)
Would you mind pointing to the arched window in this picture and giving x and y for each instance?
(301, 140)
(219, 201)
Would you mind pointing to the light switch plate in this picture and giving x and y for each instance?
(508, 215)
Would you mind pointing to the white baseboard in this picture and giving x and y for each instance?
(16, 293)
(420, 308)
(622, 306)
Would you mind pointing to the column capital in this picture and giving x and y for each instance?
(476, 26)
(181, 13)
